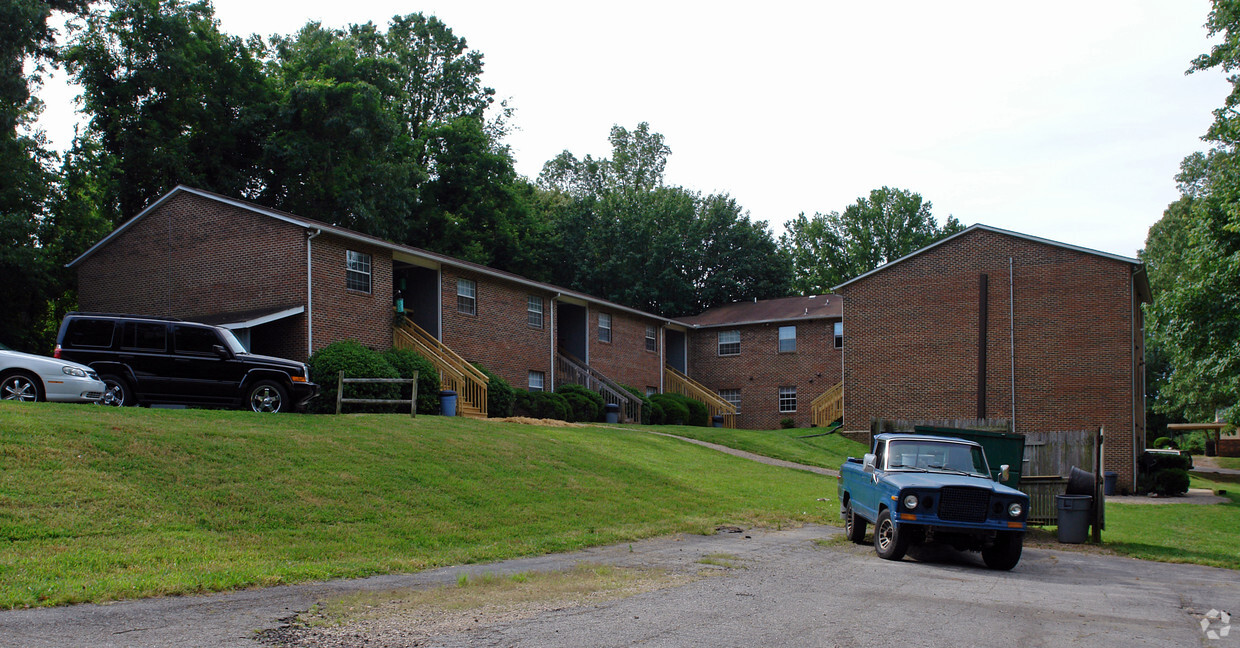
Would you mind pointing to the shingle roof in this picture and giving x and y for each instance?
(768, 310)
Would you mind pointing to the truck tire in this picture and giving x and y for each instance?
(1005, 552)
(854, 526)
(889, 543)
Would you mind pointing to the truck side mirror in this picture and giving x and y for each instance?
(868, 462)
(222, 352)
(1004, 473)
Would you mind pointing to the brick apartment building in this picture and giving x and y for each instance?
(991, 323)
(769, 358)
(1058, 328)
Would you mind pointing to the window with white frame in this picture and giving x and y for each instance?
(787, 339)
(732, 396)
(788, 399)
(651, 391)
(538, 380)
(604, 327)
(839, 335)
(466, 296)
(652, 342)
(357, 271)
(534, 309)
(729, 343)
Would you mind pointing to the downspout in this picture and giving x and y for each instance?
(1012, 337)
(663, 354)
(310, 293)
(551, 325)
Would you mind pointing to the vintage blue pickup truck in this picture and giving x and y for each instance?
(922, 489)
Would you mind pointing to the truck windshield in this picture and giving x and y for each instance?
(231, 340)
(936, 455)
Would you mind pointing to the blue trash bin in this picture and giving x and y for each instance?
(716, 421)
(1108, 483)
(613, 412)
(447, 402)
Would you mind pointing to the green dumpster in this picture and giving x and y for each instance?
(1001, 448)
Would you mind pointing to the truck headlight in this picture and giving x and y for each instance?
(1015, 509)
(910, 502)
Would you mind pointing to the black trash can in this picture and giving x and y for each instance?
(612, 412)
(1108, 482)
(1073, 517)
(717, 421)
(447, 402)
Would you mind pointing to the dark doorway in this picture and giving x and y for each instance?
(570, 325)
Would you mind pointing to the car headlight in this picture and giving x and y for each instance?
(1015, 509)
(73, 371)
(910, 502)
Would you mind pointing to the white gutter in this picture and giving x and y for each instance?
(551, 326)
(1012, 338)
(310, 293)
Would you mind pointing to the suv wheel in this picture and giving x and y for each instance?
(116, 392)
(267, 396)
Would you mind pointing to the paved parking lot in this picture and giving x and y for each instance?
(800, 587)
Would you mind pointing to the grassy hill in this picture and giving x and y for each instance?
(99, 504)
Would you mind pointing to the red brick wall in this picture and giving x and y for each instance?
(343, 314)
(912, 340)
(499, 335)
(625, 359)
(192, 257)
(1229, 447)
(760, 370)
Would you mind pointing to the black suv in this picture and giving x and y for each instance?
(151, 360)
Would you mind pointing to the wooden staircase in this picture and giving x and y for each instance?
(469, 383)
(569, 369)
(828, 407)
(675, 382)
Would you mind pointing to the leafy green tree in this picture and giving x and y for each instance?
(172, 99)
(26, 177)
(829, 249)
(622, 234)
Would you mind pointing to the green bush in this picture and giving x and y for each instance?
(356, 361)
(656, 415)
(699, 414)
(407, 361)
(1193, 443)
(1172, 481)
(647, 406)
(1163, 443)
(675, 412)
(500, 395)
(547, 405)
(586, 405)
(787, 423)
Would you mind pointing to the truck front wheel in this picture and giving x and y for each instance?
(1005, 552)
(889, 543)
(854, 527)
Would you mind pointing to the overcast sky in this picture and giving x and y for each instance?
(1065, 120)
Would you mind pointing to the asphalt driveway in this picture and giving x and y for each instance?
(799, 587)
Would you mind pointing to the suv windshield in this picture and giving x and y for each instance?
(231, 340)
(936, 455)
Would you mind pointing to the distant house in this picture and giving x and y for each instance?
(992, 323)
(771, 358)
(986, 323)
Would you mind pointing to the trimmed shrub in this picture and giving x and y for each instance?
(500, 395)
(1172, 481)
(586, 405)
(675, 412)
(657, 416)
(1163, 443)
(356, 361)
(407, 361)
(548, 405)
(787, 423)
(699, 413)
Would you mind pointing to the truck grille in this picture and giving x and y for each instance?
(963, 504)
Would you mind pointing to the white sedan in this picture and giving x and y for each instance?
(26, 377)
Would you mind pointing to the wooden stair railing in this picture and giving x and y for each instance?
(569, 369)
(676, 382)
(828, 407)
(469, 383)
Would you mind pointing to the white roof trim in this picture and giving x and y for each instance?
(988, 228)
(263, 319)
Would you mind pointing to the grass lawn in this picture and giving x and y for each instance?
(1232, 463)
(1205, 534)
(824, 451)
(99, 504)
